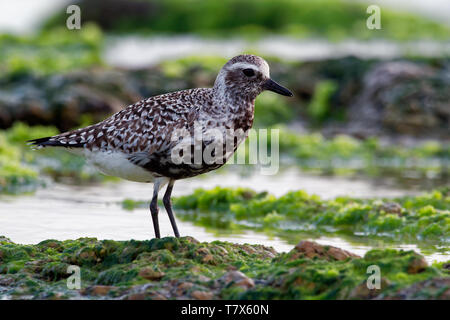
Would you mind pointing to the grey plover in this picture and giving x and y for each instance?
(137, 143)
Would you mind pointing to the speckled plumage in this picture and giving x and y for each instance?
(136, 143)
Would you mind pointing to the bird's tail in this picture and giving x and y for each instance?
(72, 139)
(53, 142)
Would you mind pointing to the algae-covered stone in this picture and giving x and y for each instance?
(202, 295)
(237, 279)
(150, 274)
(410, 218)
(435, 289)
(362, 291)
(311, 250)
(54, 271)
(97, 290)
(171, 268)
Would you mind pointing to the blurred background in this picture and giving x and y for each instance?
(369, 118)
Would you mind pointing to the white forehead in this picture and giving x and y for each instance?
(263, 68)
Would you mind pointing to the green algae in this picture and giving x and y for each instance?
(319, 107)
(58, 50)
(424, 217)
(172, 268)
(15, 177)
(24, 170)
(421, 220)
(346, 155)
(340, 19)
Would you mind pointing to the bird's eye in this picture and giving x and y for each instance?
(249, 72)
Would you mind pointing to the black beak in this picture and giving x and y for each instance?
(275, 87)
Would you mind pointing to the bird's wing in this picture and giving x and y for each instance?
(142, 128)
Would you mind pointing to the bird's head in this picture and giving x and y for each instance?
(246, 76)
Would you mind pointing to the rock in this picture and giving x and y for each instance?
(222, 250)
(402, 97)
(202, 295)
(238, 279)
(157, 296)
(392, 207)
(150, 274)
(191, 240)
(209, 258)
(249, 250)
(185, 285)
(52, 270)
(363, 292)
(417, 265)
(57, 296)
(6, 280)
(61, 99)
(144, 296)
(122, 277)
(195, 269)
(310, 249)
(97, 290)
(85, 255)
(203, 278)
(54, 244)
(436, 289)
(300, 281)
(183, 288)
(205, 256)
(136, 296)
(267, 252)
(202, 251)
(379, 97)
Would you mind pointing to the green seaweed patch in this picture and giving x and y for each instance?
(346, 155)
(185, 268)
(23, 169)
(15, 177)
(58, 50)
(301, 18)
(422, 217)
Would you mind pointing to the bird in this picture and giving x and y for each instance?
(138, 144)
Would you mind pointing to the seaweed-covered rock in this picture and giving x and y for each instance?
(97, 290)
(419, 218)
(312, 249)
(238, 279)
(391, 207)
(345, 95)
(404, 97)
(418, 264)
(150, 274)
(435, 289)
(136, 270)
(362, 291)
(62, 100)
(202, 295)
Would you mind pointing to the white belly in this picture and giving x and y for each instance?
(116, 164)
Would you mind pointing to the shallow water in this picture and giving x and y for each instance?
(147, 51)
(69, 212)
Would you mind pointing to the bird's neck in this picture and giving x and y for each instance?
(228, 105)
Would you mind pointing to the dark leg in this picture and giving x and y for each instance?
(168, 206)
(154, 210)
